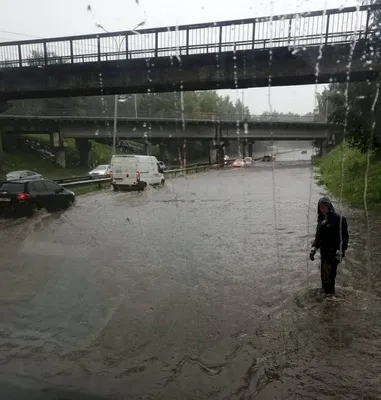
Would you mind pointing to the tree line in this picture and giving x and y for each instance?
(357, 105)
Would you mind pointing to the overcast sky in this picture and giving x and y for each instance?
(23, 19)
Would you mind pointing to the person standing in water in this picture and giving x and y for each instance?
(331, 239)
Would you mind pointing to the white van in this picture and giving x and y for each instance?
(135, 172)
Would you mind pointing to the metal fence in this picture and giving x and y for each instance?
(168, 118)
(334, 26)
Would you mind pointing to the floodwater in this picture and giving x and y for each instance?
(202, 289)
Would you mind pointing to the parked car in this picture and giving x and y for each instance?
(239, 162)
(304, 151)
(101, 171)
(162, 166)
(135, 172)
(249, 160)
(23, 176)
(26, 197)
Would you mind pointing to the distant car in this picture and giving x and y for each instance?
(239, 162)
(23, 176)
(101, 171)
(268, 158)
(161, 165)
(26, 197)
(304, 151)
(249, 160)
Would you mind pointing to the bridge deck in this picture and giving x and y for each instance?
(169, 128)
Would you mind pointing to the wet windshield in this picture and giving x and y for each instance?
(15, 174)
(100, 167)
(248, 265)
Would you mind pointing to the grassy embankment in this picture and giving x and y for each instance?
(329, 170)
(20, 159)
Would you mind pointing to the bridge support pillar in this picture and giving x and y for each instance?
(250, 149)
(323, 147)
(161, 151)
(83, 147)
(245, 149)
(58, 144)
(212, 153)
(1, 156)
(61, 158)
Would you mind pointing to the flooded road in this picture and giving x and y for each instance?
(201, 289)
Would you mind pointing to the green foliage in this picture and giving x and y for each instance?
(352, 105)
(353, 182)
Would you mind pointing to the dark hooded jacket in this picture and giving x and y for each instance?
(328, 232)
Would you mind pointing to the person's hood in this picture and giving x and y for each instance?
(327, 202)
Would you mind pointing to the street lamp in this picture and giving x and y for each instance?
(116, 97)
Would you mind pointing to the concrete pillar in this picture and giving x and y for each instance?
(220, 155)
(61, 158)
(83, 146)
(323, 147)
(244, 149)
(1, 156)
(212, 153)
(250, 149)
(161, 151)
(58, 144)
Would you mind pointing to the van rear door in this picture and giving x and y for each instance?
(124, 169)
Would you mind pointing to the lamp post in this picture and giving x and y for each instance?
(116, 97)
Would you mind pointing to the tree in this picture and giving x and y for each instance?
(351, 104)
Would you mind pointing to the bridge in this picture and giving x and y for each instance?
(166, 128)
(294, 49)
(158, 131)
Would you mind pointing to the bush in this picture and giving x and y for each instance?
(353, 163)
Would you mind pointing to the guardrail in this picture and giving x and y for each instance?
(78, 181)
(87, 182)
(332, 26)
(62, 181)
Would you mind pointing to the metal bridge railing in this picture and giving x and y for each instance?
(334, 26)
(168, 117)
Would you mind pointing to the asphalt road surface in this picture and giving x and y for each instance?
(201, 289)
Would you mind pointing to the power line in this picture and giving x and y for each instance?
(20, 34)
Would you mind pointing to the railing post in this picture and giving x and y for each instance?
(367, 24)
(220, 40)
(126, 40)
(253, 37)
(327, 30)
(45, 55)
(99, 48)
(156, 43)
(71, 52)
(187, 42)
(20, 55)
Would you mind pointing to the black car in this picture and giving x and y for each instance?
(25, 197)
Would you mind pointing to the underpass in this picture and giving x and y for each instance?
(198, 290)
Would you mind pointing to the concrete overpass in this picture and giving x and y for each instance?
(166, 128)
(216, 135)
(278, 50)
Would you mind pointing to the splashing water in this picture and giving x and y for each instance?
(278, 263)
(346, 105)
(317, 71)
